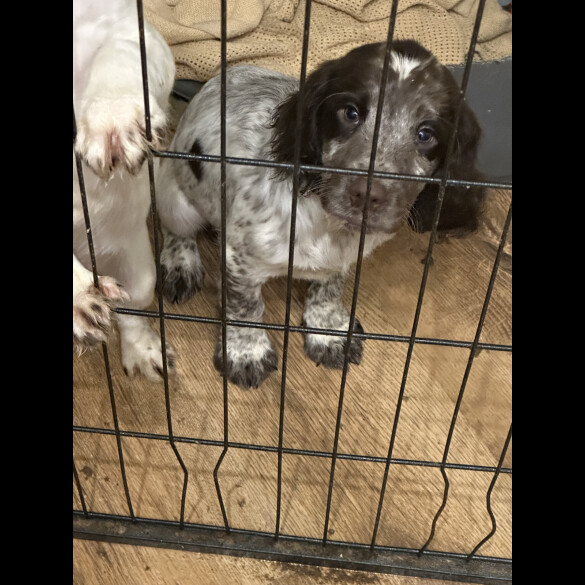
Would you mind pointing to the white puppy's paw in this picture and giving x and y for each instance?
(144, 356)
(111, 133)
(92, 312)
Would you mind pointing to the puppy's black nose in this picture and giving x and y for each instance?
(357, 194)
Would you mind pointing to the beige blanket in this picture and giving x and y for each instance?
(270, 32)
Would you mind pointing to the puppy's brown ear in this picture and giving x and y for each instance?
(309, 107)
(462, 205)
(304, 105)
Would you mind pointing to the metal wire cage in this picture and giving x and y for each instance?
(224, 537)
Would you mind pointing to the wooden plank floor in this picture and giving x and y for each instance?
(389, 288)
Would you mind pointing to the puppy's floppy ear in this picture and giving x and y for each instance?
(306, 104)
(462, 206)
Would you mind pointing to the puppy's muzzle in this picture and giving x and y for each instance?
(379, 195)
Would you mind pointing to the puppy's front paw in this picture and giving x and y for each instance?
(329, 350)
(92, 312)
(246, 367)
(111, 134)
(144, 356)
(182, 271)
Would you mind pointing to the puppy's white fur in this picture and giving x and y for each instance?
(108, 103)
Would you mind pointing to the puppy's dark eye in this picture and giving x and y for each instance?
(351, 114)
(426, 139)
(425, 135)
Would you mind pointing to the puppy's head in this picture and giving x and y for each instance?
(338, 107)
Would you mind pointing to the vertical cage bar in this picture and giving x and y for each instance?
(117, 432)
(79, 489)
(382, 93)
(472, 354)
(83, 195)
(424, 279)
(223, 243)
(144, 67)
(489, 496)
(291, 254)
(156, 246)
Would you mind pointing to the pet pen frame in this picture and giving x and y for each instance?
(425, 562)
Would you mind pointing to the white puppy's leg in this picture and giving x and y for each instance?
(91, 306)
(140, 343)
(141, 348)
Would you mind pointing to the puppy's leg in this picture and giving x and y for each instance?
(324, 310)
(182, 270)
(250, 357)
(91, 306)
(141, 348)
(140, 343)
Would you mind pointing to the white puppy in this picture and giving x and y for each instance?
(108, 101)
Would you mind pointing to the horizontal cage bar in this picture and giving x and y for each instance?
(286, 450)
(287, 548)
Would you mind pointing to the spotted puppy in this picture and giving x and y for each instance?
(337, 114)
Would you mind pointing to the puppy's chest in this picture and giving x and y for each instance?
(321, 255)
(321, 247)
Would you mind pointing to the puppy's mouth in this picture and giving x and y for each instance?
(384, 219)
(353, 222)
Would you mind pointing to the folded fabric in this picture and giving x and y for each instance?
(269, 33)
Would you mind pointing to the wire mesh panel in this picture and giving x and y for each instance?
(400, 464)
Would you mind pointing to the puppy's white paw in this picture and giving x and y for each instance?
(246, 373)
(111, 133)
(144, 356)
(92, 312)
(250, 357)
(329, 350)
